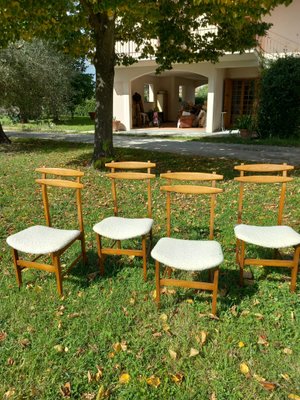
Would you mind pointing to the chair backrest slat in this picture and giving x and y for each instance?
(247, 177)
(62, 183)
(193, 190)
(122, 170)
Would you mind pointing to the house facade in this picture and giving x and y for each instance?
(232, 82)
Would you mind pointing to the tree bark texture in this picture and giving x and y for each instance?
(3, 137)
(104, 62)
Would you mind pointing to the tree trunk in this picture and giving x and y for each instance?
(104, 62)
(3, 137)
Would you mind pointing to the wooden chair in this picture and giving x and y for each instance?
(189, 255)
(273, 237)
(119, 228)
(45, 240)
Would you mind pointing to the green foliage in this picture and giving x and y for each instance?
(39, 81)
(47, 341)
(245, 121)
(91, 28)
(83, 109)
(279, 106)
(201, 94)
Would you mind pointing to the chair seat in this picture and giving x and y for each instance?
(188, 255)
(119, 228)
(40, 239)
(274, 237)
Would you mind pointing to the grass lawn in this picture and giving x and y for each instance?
(108, 327)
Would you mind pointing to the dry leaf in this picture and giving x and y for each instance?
(293, 396)
(165, 290)
(74, 315)
(59, 348)
(203, 337)
(3, 336)
(177, 378)
(154, 294)
(101, 393)
(285, 377)
(157, 334)
(194, 352)
(99, 373)
(259, 378)
(213, 396)
(132, 301)
(244, 313)
(287, 351)
(9, 393)
(124, 378)
(262, 340)
(24, 342)
(88, 396)
(117, 347)
(233, 310)
(153, 381)
(241, 344)
(293, 316)
(166, 327)
(173, 354)
(190, 301)
(259, 316)
(244, 369)
(163, 317)
(66, 390)
(111, 354)
(10, 361)
(268, 385)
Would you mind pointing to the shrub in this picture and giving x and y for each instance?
(279, 104)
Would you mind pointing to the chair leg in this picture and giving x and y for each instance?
(144, 248)
(157, 280)
(100, 255)
(295, 269)
(18, 269)
(56, 263)
(215, 291)
(242, 262)
(83, 249)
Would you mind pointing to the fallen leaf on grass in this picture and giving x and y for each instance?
(165, 290)
(59, 348)
(173, 354)
(92, 276)
(233, 310)
(74, 315)
(285, 377)
(24, 342)
(244, 313)
(10, 361)
(101, 393)
(157, 334)
(177, 378)
(190, 301)
(244, 369)
(163, 317)
(258, 378)
(268, 385)
(213, 396)
(3, 336)
(66, 390)
(262, 340)
(153, 381)
(9, 394)
(293, 396)
(259, 316)
(287, 351)
(241, 344)
(194, 352)
(124, 378)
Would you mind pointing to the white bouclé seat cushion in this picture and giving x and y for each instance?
(119, 228)
(273, 237)
(40, 239)
(188, 255)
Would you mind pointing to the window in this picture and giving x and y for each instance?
(148, 93)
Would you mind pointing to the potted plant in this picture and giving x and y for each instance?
(246, 125)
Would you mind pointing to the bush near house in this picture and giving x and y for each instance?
(279, 108)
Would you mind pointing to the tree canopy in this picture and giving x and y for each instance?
(92, 27)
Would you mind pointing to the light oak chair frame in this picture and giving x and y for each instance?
(282, 179)
(55, 267)
(212, 191)
(127, 174)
